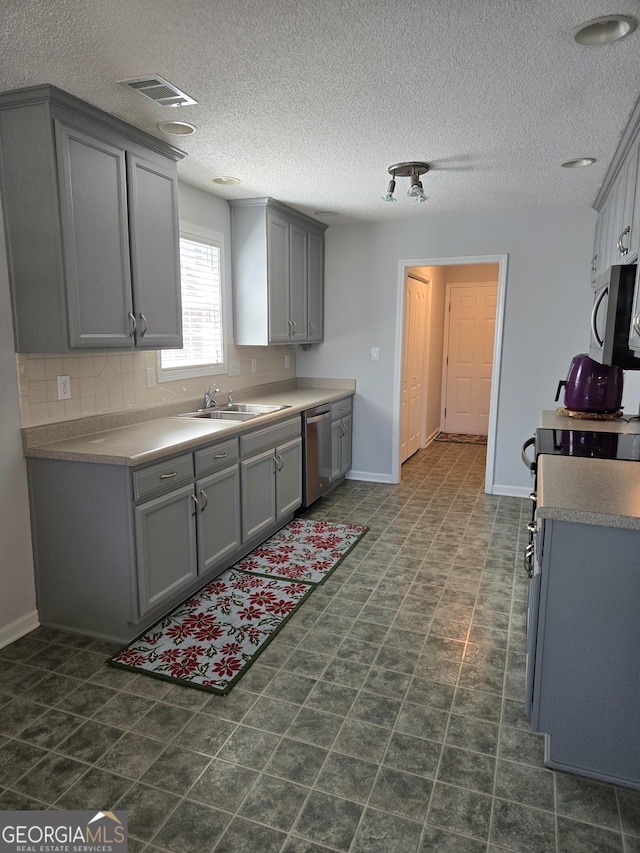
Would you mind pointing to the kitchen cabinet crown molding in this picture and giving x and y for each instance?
(47, 93)
(286, 209)
(626, 141)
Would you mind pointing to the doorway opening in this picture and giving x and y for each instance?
(448, 352)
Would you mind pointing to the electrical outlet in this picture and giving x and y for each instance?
(254, 365)
(64, 387)
(234, 368)
(287, 361)
(151, 377)
(375, 353)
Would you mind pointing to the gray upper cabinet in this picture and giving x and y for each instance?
(278, 274)
(617, 236)
(91, 222)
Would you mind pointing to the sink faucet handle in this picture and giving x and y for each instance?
(209, 396)
(230, 398)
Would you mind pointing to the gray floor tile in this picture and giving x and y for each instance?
(296, 761)
(346, 776)
(275, 802)
(380, 832)
(575, 837)
(467, 769)
(460, 810)
(147, 809)
(401, 793)
(249, 747)
(96, 789)
(243, 836)
(440, 841)
(49, 779)
(315, 727)
(192, 828)
(413, 755)
(328, 820)
(525, 784)
(522, 829)
(90, 741)
(223, 785)
(176, 769)
(586, 800)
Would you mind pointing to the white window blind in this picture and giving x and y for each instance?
(201, 287)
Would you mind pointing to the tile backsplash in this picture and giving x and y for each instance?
(103, 382)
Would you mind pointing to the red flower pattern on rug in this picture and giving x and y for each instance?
(304, 550)
(214, 636)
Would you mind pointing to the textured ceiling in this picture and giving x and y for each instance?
(309, 101)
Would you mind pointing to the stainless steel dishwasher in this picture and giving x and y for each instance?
(316, 433)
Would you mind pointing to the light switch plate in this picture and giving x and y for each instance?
(375, 353)
(234, 368)
(151, 377)
(254, 365)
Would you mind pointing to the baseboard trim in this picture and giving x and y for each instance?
(369, 477)
(18, 628)
(512, 491)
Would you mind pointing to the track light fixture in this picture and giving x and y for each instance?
(411, 170)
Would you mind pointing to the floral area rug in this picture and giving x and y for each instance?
(303, 550)
(461, 438)
(212, 638)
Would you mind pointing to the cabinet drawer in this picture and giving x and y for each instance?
(263, 439)
(341, 408)
(216, 457)
(163, 476)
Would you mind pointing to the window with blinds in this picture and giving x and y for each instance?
(201, 287)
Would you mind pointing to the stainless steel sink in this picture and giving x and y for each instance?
(234, 412)
(221, 415)
(254, 408)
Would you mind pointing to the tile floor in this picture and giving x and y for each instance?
(387, 716)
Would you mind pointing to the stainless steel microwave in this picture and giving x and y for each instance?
(611, 317)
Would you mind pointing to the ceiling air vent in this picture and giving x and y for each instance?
(159, 90)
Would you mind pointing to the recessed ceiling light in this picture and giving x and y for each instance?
(177, 128)
(579, 161)
(604, 30)
(226, 180)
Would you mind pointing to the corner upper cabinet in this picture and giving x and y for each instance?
(91, 223)
(278, 274)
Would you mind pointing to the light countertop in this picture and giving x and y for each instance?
(139, 443)
(552, 420)
(589, 491)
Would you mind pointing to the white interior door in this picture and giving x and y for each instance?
(469, 359)
(413, 367)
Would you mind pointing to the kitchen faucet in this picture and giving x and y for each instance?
(209, 397)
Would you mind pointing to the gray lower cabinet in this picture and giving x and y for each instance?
(219, 526)
(166, 554)
(91, 223)
(584, 650)
(278, 273)
(341, 438)
(271, 477)
(115, 548)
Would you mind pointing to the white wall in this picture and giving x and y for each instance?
(548, 301)
(17, 594)
(435, 343)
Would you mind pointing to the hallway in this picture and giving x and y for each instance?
(386, 717)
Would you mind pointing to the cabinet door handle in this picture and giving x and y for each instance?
(280, 461)
(594, 312)
(133, 325)
(621, 247)
(310, 327)
(203, 494)
(146, 325)
(195, 501)
(290, 324)
(594, 268)
(219, 455)
(168, 476)
(636, 324)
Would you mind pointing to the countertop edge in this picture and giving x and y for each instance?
(57, 450)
